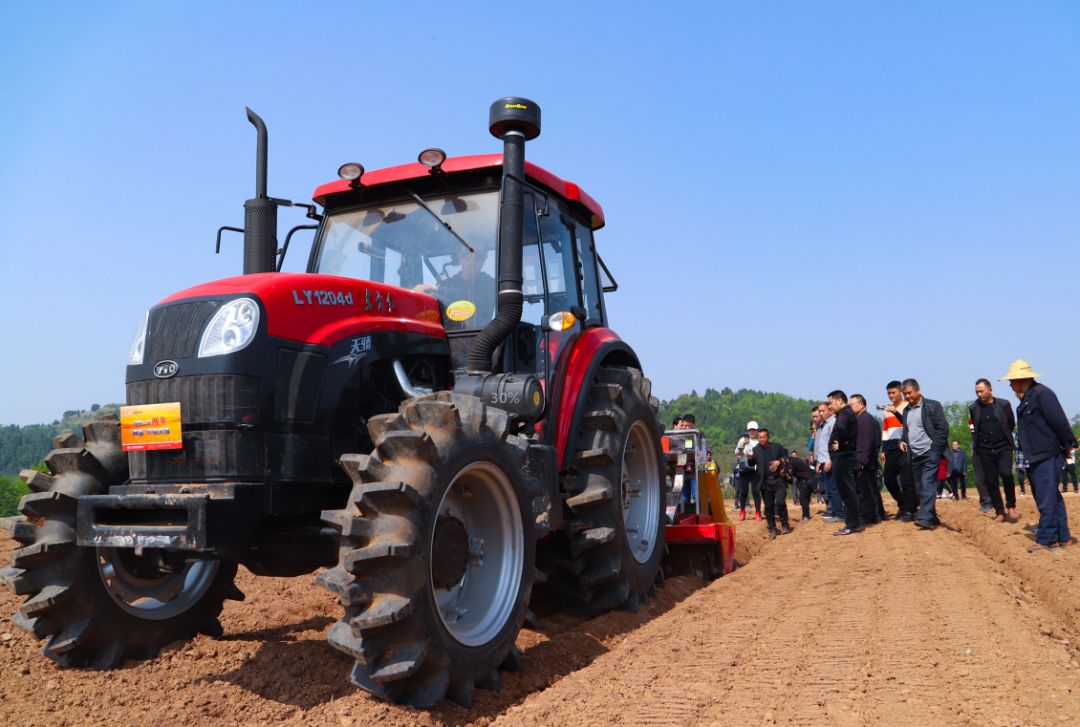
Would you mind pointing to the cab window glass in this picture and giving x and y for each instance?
(532, 268)
(590, 287)
(559, 262)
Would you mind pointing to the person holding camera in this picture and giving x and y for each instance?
(744, 472)
(896, 464)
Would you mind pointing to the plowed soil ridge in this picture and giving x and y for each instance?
(895, 626)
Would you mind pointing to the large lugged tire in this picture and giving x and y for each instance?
(99, 606)
(437, 551)
(610, 550)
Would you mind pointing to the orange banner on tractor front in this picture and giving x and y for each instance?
(150, 426)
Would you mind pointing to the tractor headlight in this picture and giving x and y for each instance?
(231, 328)
(138, 344)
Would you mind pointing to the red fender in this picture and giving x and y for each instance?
(577, 366)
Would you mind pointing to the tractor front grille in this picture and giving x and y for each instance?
(175, 329)
(204, 399)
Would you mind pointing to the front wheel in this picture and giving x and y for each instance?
(98, 606)
(436, 563)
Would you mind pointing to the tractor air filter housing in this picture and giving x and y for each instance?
(514, 114)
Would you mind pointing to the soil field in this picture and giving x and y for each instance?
(894, 627)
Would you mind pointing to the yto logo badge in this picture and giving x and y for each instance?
(165, 369)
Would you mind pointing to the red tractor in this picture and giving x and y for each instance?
(436, 413)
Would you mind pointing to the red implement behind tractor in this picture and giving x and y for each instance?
(699, 534)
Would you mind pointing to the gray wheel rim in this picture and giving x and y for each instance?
(475, 609)
(640, 491)
(154, 598)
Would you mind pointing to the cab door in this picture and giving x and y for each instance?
(552, 283)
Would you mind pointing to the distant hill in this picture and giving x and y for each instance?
(22, 447)
(722, 416)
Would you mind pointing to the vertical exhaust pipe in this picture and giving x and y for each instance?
(514, 121)
(260, 212)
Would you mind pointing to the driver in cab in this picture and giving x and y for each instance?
(470, 284)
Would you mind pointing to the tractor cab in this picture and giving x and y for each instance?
(435, 230)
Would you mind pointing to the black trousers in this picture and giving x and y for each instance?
(802, 488)
(980, 482)
(843, 467)
(947, 485)
(958, 478)
(775, 494)
(865, 486)
(997, 464)
(899, 482)
(746, 483)
(1069, 473)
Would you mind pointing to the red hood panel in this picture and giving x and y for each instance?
(316, 309)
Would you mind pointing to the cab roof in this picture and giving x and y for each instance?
(389, 175)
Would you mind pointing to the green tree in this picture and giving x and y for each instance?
(11, 491)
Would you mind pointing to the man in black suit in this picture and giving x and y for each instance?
(993, 424)
(867, 449)
(842, 453)
(926, 434)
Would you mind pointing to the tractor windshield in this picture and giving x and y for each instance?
(406, 245)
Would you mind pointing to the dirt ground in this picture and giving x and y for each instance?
(893, 627)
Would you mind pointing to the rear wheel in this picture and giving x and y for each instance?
(98, 606)
(437, 550)
(609, 553)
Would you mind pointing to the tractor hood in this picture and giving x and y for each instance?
(322, 309)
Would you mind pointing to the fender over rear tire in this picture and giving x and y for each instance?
(98, 606)
(610, 551)
(437, 551)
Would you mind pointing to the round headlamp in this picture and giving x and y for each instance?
(231, 329)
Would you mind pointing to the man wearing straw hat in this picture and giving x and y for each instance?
(1044, 435)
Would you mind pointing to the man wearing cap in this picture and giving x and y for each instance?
(925, 437)
(1044, 435)
(745, 480)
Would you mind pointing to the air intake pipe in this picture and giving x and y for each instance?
(514, 121)
(260, 213)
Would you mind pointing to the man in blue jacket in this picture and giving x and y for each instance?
(958, 471)
(1044, 435)
(926, 435)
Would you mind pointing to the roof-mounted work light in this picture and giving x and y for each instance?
(432, 159)
(351, 171)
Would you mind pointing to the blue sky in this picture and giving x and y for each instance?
(800, 196)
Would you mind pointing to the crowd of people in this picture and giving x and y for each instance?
(851, 455)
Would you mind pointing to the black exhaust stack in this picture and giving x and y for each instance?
(260, 213)
(515, 121)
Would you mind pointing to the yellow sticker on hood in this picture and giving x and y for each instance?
(461, 310)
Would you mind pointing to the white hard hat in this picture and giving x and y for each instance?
(752, 425)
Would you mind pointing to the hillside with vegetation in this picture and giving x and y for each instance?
(722, 416)
(24, 447)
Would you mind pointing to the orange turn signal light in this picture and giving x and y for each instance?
(561, 321)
